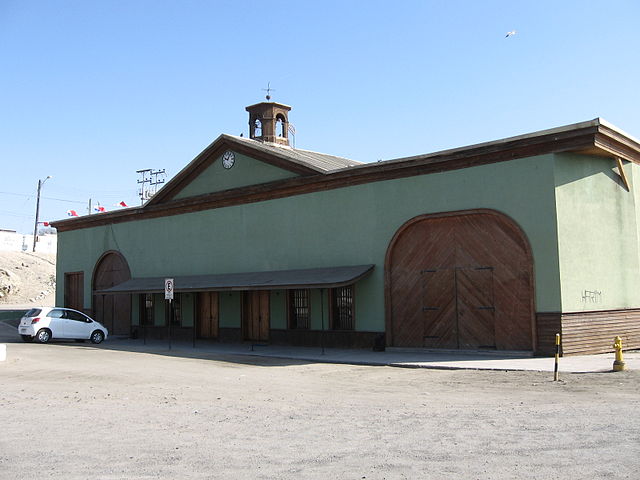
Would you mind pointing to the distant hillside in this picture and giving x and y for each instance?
(27, 279)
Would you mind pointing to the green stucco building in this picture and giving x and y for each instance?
(494, 246)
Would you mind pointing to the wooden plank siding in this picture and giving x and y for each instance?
(593, 332)
(74, 290)
(585, 333)
(548, 324)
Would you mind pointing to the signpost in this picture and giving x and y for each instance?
(168, 289)
(168, 295)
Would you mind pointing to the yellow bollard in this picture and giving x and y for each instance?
(618, 364)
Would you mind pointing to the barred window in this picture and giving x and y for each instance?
(342, 308)
(299, 310)
(147, 309)
(175, 311)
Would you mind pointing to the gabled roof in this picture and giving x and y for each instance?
(301, 162)
(321, 162)
(316, 171)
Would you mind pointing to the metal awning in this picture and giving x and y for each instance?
(330, 277)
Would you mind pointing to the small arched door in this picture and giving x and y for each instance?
(113, 311)
(461, 280)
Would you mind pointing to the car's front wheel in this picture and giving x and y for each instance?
(27, 338)
(97, 337)
(43, 335)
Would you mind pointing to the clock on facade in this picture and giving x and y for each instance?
(228, 159)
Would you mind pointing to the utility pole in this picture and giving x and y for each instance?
(35, 227)
(149, 181)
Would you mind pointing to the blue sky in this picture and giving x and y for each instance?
(91, 91)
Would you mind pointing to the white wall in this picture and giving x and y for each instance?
(17, 242)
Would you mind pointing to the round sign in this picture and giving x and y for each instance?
(168, 288)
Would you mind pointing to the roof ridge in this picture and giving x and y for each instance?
(300, 155)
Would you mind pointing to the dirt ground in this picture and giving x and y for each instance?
(76, 411)
(27, 278)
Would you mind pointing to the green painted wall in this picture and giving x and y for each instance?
(245, 171)
(187, 306)
(318, 309)
(188, 309)
(278, 309)
(633, 175)
(598, 234)
(230, 304)
(135, 309)
(347, 226)
(159, 319)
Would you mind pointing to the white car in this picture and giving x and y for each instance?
(45, 323)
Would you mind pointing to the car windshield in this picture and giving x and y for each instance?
(34, 312)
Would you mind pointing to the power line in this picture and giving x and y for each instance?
(18, 194)
(47, 198)
(13, 214)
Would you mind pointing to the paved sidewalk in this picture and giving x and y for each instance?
(391, 357)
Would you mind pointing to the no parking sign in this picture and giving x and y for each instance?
(168, 288)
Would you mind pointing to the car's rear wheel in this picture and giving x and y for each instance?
(27, 338)
(43, 335)
(97, 337)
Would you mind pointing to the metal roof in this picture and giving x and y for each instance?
(274, 280)
(318, 161)
(594, 137)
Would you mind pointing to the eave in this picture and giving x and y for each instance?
(213, 152)
(594, 137)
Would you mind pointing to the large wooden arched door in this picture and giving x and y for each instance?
(113, 311)
(461, 280)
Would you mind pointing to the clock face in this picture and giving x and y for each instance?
(228, 159)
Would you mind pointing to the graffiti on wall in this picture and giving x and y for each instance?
(591, 296)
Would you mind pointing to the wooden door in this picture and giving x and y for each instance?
(439, 309)
(476, 312)
(255, 315)
(458, 308)
(500, 300)
(208, 314)
(113, 311)
(106, 312)
(74, 290)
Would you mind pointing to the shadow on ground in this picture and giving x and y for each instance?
(278, 355)
(244, 354)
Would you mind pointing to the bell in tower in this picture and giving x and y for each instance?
(269, 122)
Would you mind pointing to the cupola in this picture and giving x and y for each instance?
(269, 122)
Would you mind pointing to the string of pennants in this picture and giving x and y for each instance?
(97, 209)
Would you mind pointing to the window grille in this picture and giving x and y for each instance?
(176, 311)
(342, 308)
(147, 309)
(299, 311)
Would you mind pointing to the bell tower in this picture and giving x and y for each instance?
(269, 122)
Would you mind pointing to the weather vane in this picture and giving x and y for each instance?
(268, 90)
